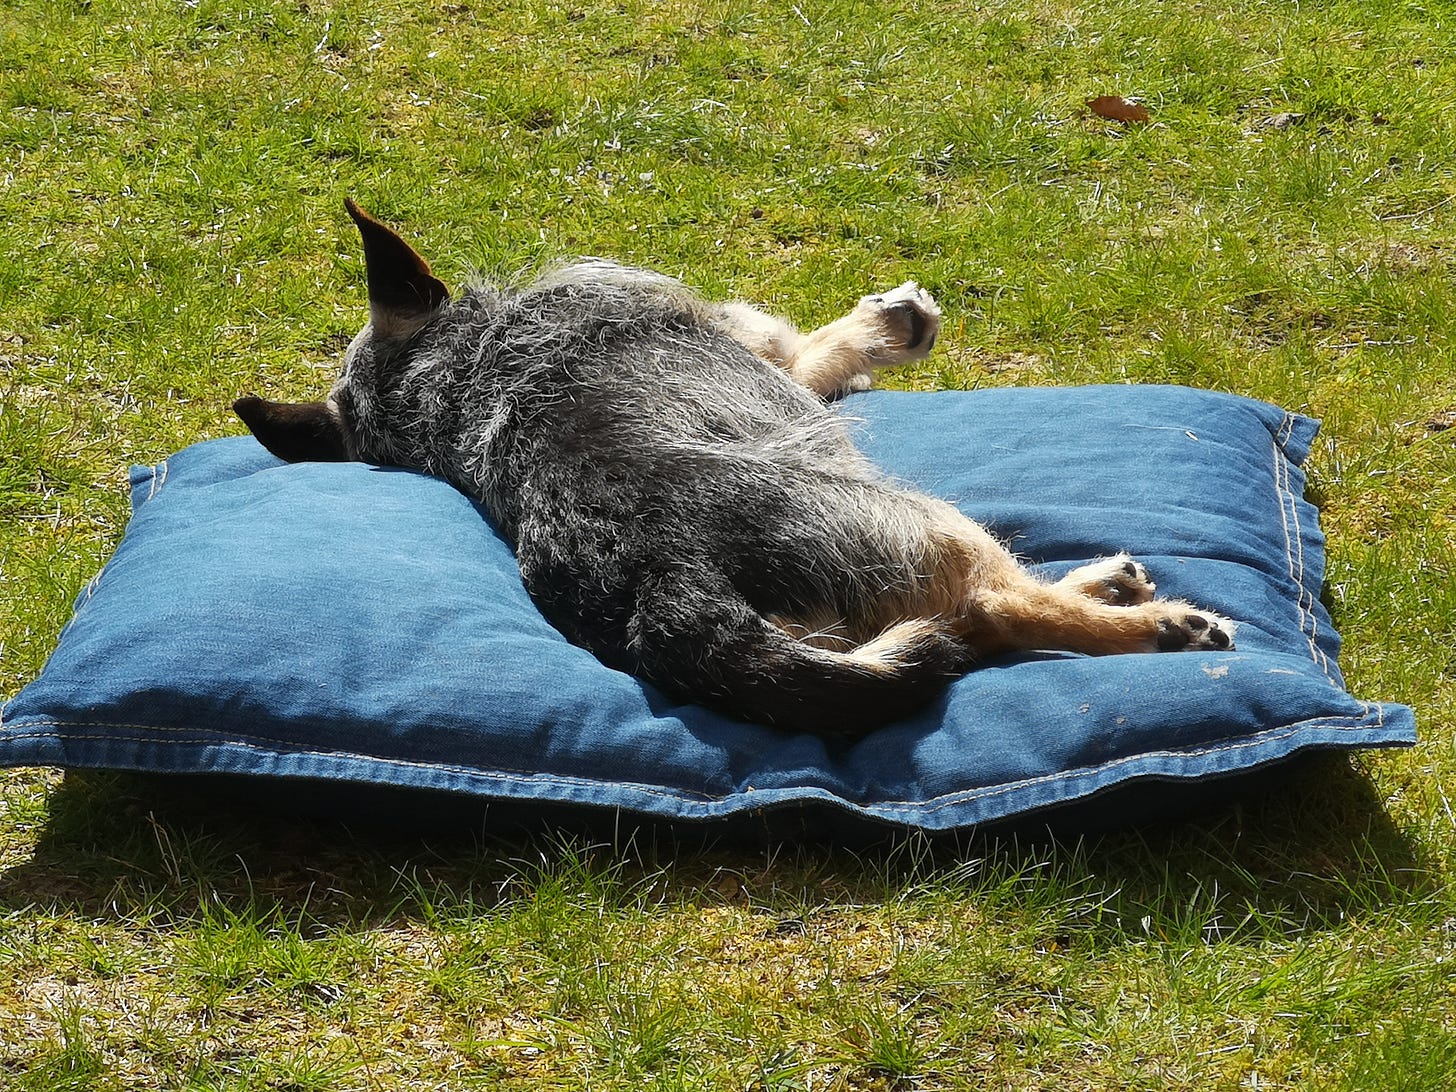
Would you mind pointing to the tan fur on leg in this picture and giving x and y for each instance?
(1039, 616)
(774, 339)
(995, 605)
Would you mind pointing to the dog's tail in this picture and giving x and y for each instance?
(717, 648)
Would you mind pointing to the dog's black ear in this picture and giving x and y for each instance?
(403, 292)
(295, 432)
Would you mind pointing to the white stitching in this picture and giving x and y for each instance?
(1286, 429)
(1294, 548)
(290, 746)
(1304, 596)
(159, 478)
(1341, 725)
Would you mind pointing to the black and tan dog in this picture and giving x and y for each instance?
(682, 501)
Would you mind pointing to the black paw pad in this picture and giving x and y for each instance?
(1171, 636)
(916, 321)
(1117, 595)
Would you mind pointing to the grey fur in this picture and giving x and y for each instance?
(665, 489)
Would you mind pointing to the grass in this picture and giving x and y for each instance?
(171, 180)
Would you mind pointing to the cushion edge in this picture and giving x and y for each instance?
(42, 741)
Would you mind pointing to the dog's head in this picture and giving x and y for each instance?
(403, 296)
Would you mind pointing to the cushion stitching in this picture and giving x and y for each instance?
(89, 588)
(1342, 724)
(159, 478)
(1290, 563)
(1308, 593)
(1083, 772)
(264, 743)
(1284, 525)
(222, 738)
(1294, 557)
(91, 585)
(1305, 598)
(1285, 430)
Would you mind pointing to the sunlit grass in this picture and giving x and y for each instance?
(171, 185)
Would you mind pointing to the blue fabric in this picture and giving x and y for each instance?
(348, 622)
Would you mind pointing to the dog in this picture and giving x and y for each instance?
(683, 501)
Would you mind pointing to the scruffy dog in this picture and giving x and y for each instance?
(683, 503)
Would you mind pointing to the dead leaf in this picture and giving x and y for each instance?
(1117, 108)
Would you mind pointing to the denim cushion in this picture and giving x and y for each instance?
(344, 621)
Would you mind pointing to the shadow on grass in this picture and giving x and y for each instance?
(1300, 846)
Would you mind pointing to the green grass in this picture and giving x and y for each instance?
(171, 185)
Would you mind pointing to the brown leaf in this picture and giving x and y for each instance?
(1116, 108)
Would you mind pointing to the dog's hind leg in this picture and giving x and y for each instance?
(692, 634)
(1032, 615)
(1102, 608)
(767, 336)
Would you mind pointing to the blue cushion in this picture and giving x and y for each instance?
(342, 621)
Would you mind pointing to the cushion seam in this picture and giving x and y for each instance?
(935, 803)
(1294, 550)
(89, 589)
(159, 478)
(1270, 735)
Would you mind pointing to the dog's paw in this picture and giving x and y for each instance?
(907, 321)
(1184, 629)
(1119, 580)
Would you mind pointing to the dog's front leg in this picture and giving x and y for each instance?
(884, 330)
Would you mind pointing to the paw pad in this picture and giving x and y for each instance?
(1119, 581)
(1194, 631)
(909, 320)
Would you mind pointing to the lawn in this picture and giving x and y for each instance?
(1283, 226)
